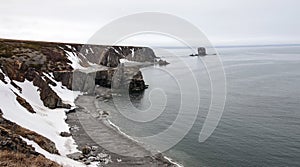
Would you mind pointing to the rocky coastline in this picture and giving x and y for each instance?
(94, 69)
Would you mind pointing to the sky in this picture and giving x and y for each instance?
(224, 22)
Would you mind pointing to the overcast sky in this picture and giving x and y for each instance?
(223, 21)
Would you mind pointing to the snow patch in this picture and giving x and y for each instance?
(132, 53)
(127, 61)
(67, 96)
(74, 59)
(46, 122)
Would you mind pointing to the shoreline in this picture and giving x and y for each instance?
(89, 128)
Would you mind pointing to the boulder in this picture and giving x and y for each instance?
(86, 150)
(65, 134)
(75, 156)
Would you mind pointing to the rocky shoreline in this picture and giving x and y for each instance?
(103, 144)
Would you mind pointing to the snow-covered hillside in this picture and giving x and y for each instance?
(47, 122)
(36, 82)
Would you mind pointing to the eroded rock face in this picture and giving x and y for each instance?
(47, 95)
(22, 60)
(110, 55)
(65, 77)
(142, 54)
(104, 78)
(125, 78)
(111, 58)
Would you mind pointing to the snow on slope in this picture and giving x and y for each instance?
(47, 122)
(75, 61)
(64, 161)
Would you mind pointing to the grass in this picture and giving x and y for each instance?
(15, 159)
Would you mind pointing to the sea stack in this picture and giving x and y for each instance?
(201, 51)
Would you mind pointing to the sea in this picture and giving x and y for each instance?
(260, 123)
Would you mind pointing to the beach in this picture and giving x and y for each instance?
(89, 128)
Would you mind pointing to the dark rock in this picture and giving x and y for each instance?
(49, 81)
(104, 78)
(137, 83)
(12, 70)
(30, 74)
(15, 85)
(71, 111)
(193, 55)
(162, 62)
(110, 57)
(12, 142)
(47, 95)
(87, 162)
(2, 78)
(86, 150)
(65, 77)
(92, 159)
(75, 156)
(142, 54)
(65, 134)
(25, 104)
(105, 113)
(125, 78)
(202, 51)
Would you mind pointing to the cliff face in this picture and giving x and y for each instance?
(49, 71)
(110, 55)
(33, 61)
(122, 78)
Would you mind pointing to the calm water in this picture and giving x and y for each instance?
(260, 125)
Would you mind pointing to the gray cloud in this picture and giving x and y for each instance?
(224, 22)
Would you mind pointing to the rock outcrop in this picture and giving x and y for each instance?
(12, 142)
(14, 151)
(20, 60)
(12, 129)
(24, 103)
(201, 52)
(65, 77)
(110, 55)
(125, 78)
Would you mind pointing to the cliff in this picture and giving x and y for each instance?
(36, 79)
(32, 61)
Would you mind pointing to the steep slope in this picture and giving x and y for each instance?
(36, 81)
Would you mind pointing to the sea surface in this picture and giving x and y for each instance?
(260, 125)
